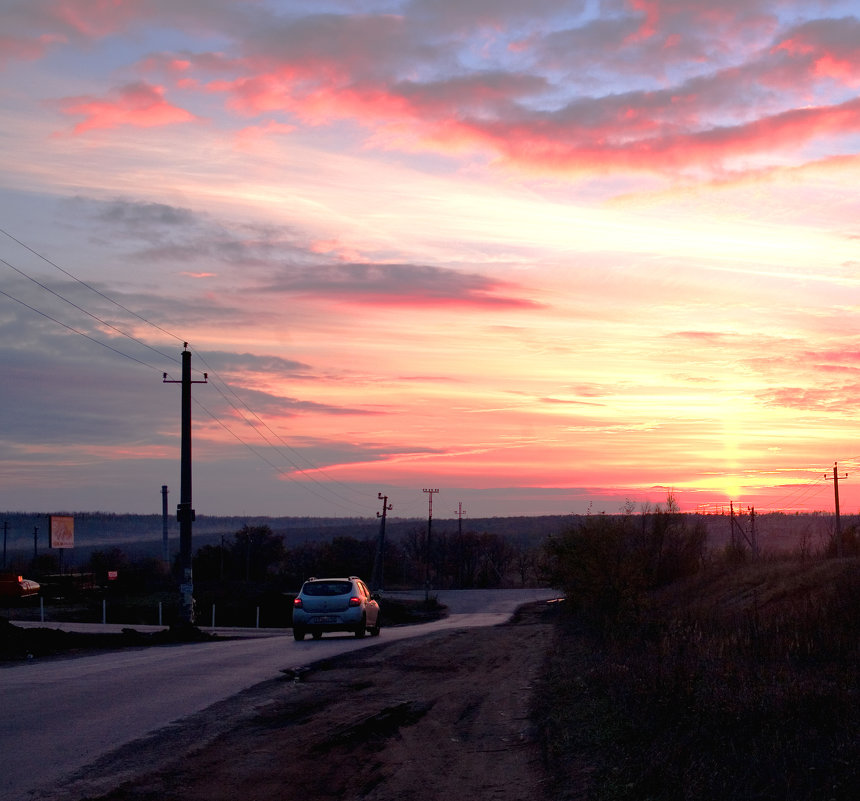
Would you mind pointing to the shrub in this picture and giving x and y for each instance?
(606, 565)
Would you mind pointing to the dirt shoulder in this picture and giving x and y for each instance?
(441, 716)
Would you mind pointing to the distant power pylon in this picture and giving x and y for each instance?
(460, 515)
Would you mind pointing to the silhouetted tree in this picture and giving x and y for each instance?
(257, 552)
(606, 564)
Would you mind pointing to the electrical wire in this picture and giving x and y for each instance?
(81, 333)
(89, 313)
(268, 428)
(90, 287)
(260, 456)
(280, 471)
(271, 444)
(801, 493)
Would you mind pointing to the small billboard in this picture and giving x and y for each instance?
(62, 531)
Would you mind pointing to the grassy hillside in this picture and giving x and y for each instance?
(738, 683)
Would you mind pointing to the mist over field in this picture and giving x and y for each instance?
(141, 535)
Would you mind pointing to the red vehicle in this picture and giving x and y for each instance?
(13, 585)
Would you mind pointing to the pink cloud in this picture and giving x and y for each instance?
(559, 147)
(25, 49)
(697, 121)
(339, 249)
(840, 69)
(138, 104)
(95, 18)
(650, 10)
(826, 49)
(323, 68)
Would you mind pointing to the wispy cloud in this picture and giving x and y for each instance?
(504, 244)
(137, 104)
(399, 284)
(429, 92)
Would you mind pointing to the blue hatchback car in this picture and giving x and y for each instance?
(335, 604)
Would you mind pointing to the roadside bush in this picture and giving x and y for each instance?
(606, 565)
(598, 568)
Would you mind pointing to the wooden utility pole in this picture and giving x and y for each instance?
(750, 538)
(184, 512)
(753, 538)
(427, 549)
(460, 514)
(377, 580)
(732, 523)
(836, 478)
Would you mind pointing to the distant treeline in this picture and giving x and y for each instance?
(142, 534)
(100, 529)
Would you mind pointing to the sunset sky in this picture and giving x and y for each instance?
(544, 256)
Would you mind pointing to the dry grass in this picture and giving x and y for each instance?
(737, 684)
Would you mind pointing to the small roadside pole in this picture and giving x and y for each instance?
(431, 492)
(165, 549)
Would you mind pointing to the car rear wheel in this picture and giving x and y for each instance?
(362, 628)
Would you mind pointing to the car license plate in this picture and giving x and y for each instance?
(324, 619)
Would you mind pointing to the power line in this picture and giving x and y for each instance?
(90, 287)
(80, 333)
(276, 468)
(275, 446)
(161, 353)
(800, 494)
(89, 313)
(279, 470)
(274, 434)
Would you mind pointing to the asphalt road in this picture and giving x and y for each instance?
(60, 715)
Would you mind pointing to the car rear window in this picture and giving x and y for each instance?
(327, 588)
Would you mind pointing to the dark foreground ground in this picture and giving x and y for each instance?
(439, 717)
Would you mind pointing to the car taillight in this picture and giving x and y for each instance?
(355, 601)
(297, 603)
